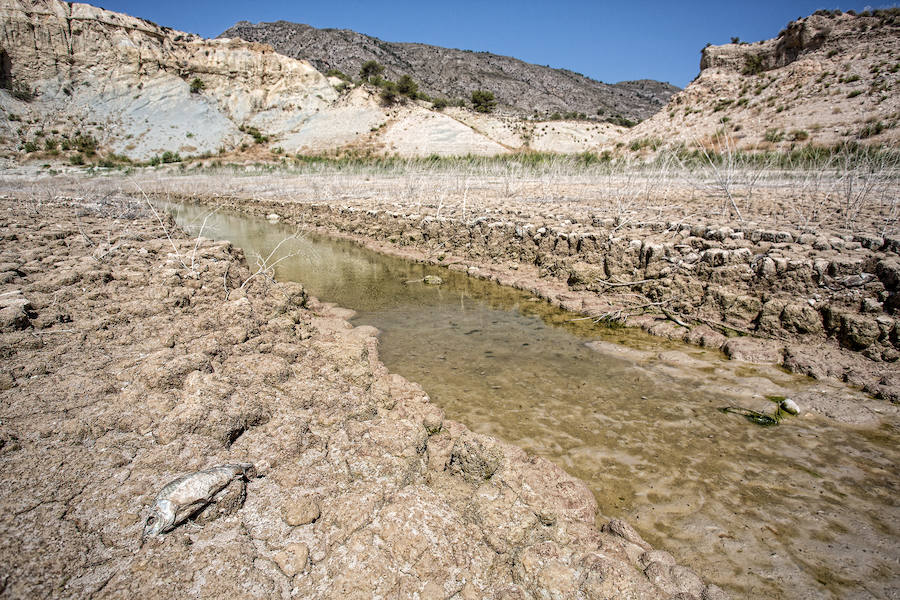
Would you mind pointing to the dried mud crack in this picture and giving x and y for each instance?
(131, 356)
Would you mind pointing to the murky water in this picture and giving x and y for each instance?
(808, 509)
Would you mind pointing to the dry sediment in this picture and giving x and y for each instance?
(819, 304)
(130, 358)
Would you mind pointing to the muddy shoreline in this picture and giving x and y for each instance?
(134, 357)
(818, 353)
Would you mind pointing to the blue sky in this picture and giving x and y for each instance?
(609, 41)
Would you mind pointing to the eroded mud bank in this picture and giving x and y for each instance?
(131, 357)
(818, 305)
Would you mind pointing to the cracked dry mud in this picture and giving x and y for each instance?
(125, 364)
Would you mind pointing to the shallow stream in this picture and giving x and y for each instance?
(806, 509)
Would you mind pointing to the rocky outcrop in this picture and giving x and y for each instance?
(823, 30)
(450, 73)
(826, 79)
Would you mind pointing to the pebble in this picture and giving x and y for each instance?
(300, 512)
(292, 560)
(433, 280)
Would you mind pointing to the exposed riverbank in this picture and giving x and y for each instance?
(131, 358)
(759, 511)
(807, 315)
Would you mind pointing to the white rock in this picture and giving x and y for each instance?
(789, 406)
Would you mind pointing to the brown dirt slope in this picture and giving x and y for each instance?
(827, 78)
(131, 356)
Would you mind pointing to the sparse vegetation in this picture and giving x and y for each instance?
(407, 87)
(621, 121)
(197, 85)
(255, 133)
(483, 101)
(389, 92)
(870, 129)
(753, 64)
(337, 73)
(647, 142)
(370, 69)
(773, 136)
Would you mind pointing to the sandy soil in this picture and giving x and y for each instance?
(132, 356)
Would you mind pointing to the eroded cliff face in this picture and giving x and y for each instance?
(133, 78)
(128, 83)
(798, 38)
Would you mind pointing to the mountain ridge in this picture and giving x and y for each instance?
(520, 87)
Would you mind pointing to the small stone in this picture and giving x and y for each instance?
(274, 217)
(714, 592)
(433, 422)
(13, 318)
(6, 381)
(300, 512)
(293, 559)
(621, 529)
(753, 350)
(790, 407)
(433, 280)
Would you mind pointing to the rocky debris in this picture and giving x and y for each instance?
(168, 366)
(522, 87)
(301, 512)
(16, 311)
(433, 280)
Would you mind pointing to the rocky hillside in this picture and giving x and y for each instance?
(446, 72)
(825, 79)
(80, 82)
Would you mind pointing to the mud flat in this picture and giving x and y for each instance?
(131, 357)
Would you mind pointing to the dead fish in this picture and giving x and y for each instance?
(183, 497)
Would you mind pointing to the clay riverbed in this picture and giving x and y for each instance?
(807, 509)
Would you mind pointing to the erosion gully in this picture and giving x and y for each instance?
(805, 509)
